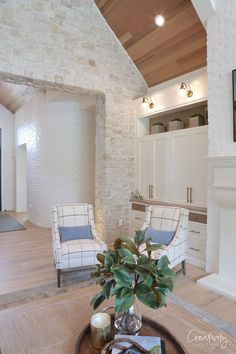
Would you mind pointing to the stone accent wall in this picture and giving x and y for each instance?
(66, 44)
(221, 41)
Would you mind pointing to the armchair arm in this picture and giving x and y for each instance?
(92, 223)
(147, 218)
(56, 241)
(181, 230)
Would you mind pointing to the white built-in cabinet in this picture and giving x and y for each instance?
(172, 167)
(198, 166)
(146, 166)
(160, 168)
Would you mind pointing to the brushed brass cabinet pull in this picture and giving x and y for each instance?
(194, 249)
(187, 194)
(151, 191)
(191, 195)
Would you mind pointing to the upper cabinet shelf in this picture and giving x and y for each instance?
(172, 103)
(145, 125)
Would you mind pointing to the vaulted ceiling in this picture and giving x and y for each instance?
(160, 53)
(13, 96)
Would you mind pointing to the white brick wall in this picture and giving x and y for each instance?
(7, 123)
(60, 142)
(221, 40)
(68, 43)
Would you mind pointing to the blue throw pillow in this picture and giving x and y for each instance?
(68, 233)
(159, 236)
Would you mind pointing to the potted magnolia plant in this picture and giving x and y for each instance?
(129, 272)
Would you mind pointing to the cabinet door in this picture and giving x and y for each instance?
(146, 166)
(198, 166)
(161, 173)
(179, 167)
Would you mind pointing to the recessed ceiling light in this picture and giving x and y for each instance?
(160, 20)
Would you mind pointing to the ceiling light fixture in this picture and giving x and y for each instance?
(186, 89)
(148, 102)
(160, 20)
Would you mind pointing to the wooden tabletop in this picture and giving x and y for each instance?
(149, 328)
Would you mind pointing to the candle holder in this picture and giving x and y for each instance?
(100, 326)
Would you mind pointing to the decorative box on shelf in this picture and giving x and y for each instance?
(175, 124)
(196, 121)
(157, 128)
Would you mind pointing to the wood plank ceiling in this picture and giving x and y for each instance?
(13, 96)
(160, 53)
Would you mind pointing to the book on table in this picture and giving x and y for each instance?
(147, 342)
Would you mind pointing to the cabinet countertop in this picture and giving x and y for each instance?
(156, 202)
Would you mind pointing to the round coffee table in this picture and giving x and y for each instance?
(149, 328)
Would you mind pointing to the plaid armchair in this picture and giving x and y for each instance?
(74, 253)
(170, 219)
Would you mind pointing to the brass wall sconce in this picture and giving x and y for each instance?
(186, 88)
(148, 102)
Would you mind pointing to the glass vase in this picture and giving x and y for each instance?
(129, 322)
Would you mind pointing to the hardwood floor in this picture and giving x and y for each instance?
(25, 257)
(51, 326)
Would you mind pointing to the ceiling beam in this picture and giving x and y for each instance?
(205, 9)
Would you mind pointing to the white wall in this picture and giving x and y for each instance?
(60, 141)
(7, 122)
(21, 178)
(168, 95)
(221, 37)
(221, 41)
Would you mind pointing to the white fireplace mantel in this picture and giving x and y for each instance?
(224, 184)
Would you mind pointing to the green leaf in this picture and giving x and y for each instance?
(122, 277)
(126, 291)
(148, 280)
(107, 288)
(130, 245)
(108, 261)
(97, 300)
(167, 272)
(129, 261)
(147, 296)
(127, 256)
(163, 262)
(139, 237)
(161, 290)
(123, 252)
(150, 267)
(142, 259)
(124, 303)
(154, 247)
(117, 290)
(101, 257)
(165, 282)
(113, 254)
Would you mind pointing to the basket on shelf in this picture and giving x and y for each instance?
(157, 128)
(175, 124)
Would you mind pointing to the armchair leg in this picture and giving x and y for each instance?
(184, 267)
(58, 278)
